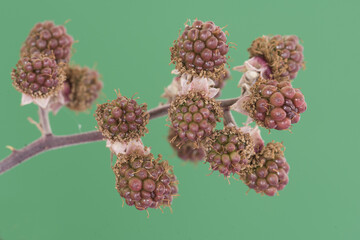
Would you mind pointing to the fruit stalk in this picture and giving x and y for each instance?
(49, 141)
(229, 118)
(44, 121)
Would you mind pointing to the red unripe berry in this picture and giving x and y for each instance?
(284, 55)
(37, 79)
(269, 172)
(48, 39)
(83, 87)
(186, 151)
(277, 99)
(193, 120)
(201, 50)
(278, 114)
(275, 105)
(229, 150)
(144, 182)
(122, 119)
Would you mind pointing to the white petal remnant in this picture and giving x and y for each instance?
(52, 103)
(26, 99)
(238, 106)
(172, 90)
(183, 84)
(198, 84)
(56, 102)
(246, 129)
(128, 148)
(256, 137)
(41, 102)
(252, 69)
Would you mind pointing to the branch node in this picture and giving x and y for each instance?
(11, 148)
(38, 125)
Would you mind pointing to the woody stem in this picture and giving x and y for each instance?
(49, 141)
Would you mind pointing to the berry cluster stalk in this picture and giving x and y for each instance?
(44, 121)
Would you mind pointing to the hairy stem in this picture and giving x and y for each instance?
(49, 141)
(44, 121)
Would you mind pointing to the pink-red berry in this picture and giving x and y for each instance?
(186, 151)
(81, 88)
(38, 76)
(48, 38)
(145, 182)
(201, 50)
(194, 117)
(270, 174)
(284, 55)
(275, 105)
(122, 119)
(228, 150)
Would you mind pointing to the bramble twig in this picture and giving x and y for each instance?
(49, 141)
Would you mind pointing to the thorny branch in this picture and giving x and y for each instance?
(48, 141)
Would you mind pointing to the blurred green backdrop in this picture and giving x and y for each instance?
(69, 193)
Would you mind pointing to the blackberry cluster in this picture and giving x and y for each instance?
(201, 50)
(38, 76)
(48, 38)
(284, 54)
(186, 151)
(145, 182)
(122, 119)
(229, 150)
(81, 88)
(194, 117)
(275, 105)
(271, 175)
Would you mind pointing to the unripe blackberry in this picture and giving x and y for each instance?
(48, 38)
(228, 150)
(38, 76)
(122, 119)
(186, 151)
(272, 174)
(81, 88)
(201, 50)
(194, 117)
(145, 182)
(284, 55)
(275, 105)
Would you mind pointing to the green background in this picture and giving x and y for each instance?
(69, 193)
